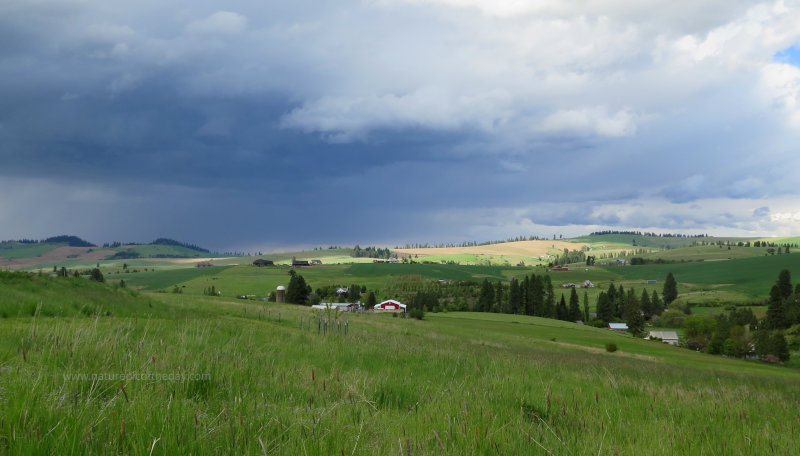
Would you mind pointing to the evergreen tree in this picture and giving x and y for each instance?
(97, 276)
(498, 299)
(776, 316)
(633, 310)
(537, 296)
(780, 346)
(574, 306)
(562, 313)
(647, 305)
(486, 297)
(297, 292)
(371, 300)
(585, 306)
(549, 310)
(670, 292)
(785, 283)
(604, 307)
(515, 297)
(655, 302)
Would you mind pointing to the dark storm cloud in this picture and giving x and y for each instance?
(287, 123)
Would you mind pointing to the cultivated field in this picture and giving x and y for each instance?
(521, 249)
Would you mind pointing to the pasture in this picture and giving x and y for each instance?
(211, 376)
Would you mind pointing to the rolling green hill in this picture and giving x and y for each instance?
(209, 375)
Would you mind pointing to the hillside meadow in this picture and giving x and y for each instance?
(180, 374)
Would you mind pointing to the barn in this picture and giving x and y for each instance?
(390, 305)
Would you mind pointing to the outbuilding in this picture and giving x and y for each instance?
(618, 326)
(668, 337)
(390, 305)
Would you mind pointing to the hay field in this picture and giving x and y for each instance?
(516, 249)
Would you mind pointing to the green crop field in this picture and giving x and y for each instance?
(745, 278)
(179, 374)
(14, 250)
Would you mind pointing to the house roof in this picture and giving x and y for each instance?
(664, 335)
(617, 326)
(390, 301)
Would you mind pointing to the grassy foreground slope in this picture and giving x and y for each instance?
(208, 376)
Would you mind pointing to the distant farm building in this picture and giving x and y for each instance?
(340, 306)
(559, 268)
(262, 262)
(668, 337)
(390, 305)
(299, 263)
(393, 260)
(618, 326)
(204, 264)
(588, 284)
(316, 261)
(652, 282)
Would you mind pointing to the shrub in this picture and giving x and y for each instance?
(611, 347)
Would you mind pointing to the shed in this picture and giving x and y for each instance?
(618, 326)
(296, 263)
(316, 261)
(668, 337)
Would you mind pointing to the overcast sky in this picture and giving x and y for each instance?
(263, 124)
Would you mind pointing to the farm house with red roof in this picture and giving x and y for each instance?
(390, 305)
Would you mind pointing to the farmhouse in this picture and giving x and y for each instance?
(668, 337)
(390, 305)
(618, 326)
(262, 262)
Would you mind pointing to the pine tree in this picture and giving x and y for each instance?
(647, 305)
(776, 315)
(585, 306)
(604, 307)
(562, 313)
(635, 319)
(574, 306)
(785, 283)
(371, 300)
(670, 292)
(549, 310)
(486, 298)
(655, 301)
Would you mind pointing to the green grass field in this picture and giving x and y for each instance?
(743, 279)
(14, 250)
(202, 375)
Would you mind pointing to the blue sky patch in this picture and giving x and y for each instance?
(790, 55)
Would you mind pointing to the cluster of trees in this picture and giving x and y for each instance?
(72, 241)
(739, 333)
(639, 233)
(570, 256)
(329, 293)
(371, 252)
(172, 242)
(471, 243)
(783, 309)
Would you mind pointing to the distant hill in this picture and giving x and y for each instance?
(72, 251)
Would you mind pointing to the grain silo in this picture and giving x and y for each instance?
(280, 295)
